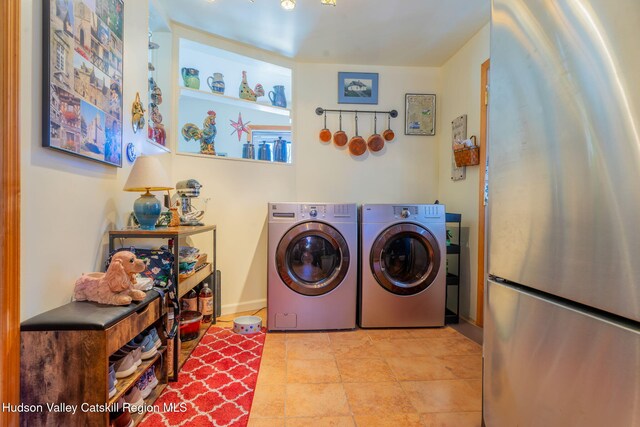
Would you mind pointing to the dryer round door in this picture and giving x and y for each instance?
(312, 258)
(405, 259)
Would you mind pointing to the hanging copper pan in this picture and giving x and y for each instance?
(340, 137)
(388, 134)
(375, 141)
(357, 144)
(325, 134)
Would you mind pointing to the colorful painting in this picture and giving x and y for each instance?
(83, 74)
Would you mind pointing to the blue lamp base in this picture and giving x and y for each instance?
(147, 211)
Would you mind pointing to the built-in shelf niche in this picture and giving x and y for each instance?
(194, 103)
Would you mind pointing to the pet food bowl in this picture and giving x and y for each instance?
(245, 325)
(190, 325)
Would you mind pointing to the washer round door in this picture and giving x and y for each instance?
(405, 259)
(312, 258)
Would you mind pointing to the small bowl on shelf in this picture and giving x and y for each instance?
(190, 325)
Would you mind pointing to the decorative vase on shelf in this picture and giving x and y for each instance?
(280, 150)
(191, 77)
(248, 151)
(264, 152)
(216, 83)
(277, 97)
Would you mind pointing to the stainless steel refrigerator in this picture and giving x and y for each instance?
(562, 305)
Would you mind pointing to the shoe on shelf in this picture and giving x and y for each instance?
(146, 346)
(157, 342)
(143, 386)
(147, 382)
(151, 377)
(123, 364)
(135, 352)
(134, 396)
(112, 380)
(120, 418)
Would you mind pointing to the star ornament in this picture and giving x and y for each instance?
(239, 127)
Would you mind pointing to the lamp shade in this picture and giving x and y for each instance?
(147, 174)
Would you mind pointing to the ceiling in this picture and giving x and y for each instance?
(367, 32)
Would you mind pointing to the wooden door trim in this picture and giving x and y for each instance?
(9, 209)
(484, 103)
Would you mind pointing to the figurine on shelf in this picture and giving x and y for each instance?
(246, 92)
(206, 136)
(156, 95)
(156, 129)
(114, 287)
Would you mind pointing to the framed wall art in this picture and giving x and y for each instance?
(420, 114)
(357, 88)
(82, 78)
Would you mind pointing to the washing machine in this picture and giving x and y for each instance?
(312, 266)
(403, 266)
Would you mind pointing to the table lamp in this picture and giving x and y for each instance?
(147, 175)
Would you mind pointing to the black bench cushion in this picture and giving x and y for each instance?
(84, 315)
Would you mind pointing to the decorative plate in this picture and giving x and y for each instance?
(131, 152)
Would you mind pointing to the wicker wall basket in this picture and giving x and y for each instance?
(467, 156)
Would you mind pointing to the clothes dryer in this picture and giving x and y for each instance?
(403, 266)
(312, 266)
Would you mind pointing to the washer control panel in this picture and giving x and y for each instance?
(313, 211)
(328, 212)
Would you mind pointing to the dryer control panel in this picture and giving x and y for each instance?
(313, 211)
(410, 213)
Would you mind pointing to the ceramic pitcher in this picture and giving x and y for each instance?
(216, 83)
(191, 77)
(277, 97)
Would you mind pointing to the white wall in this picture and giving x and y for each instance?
(239, 193)
(404, 171)
(68, 204)
(461, 95)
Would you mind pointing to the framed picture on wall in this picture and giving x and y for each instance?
(82, 78)
(420, 114)
(357, 88)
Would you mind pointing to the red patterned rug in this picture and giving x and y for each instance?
(215, 386)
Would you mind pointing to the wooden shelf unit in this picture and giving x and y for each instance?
(188, 283)
(206, 273)
(71, 364)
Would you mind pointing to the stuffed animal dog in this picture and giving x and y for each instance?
(115, 286)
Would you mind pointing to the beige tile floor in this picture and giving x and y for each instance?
(368, 377)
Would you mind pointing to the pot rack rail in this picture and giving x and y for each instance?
(320, 111)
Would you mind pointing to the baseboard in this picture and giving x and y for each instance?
(255, 304)
(469, 329)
